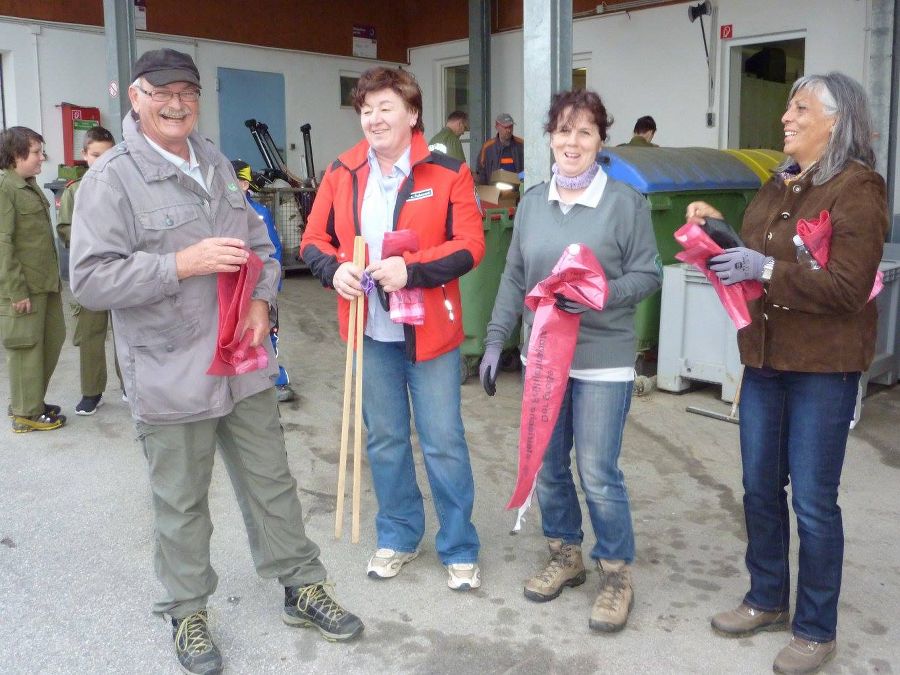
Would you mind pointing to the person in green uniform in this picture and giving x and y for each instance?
(31, 319)
(447, 139)
(644, 131)
(90, 326)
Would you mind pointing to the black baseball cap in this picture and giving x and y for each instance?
(164, 66)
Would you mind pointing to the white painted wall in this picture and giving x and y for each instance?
(46, 64)
(645, 62)
(652, 61)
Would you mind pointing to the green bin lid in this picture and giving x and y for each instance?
(650, 170)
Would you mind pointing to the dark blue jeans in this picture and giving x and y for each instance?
(592, 417)
(794, 426)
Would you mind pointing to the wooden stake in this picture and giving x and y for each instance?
(354, 341)
(359, 258)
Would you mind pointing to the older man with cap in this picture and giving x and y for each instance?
(503, 151)
(159, 219)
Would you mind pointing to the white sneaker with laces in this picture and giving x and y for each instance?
(385, 563)
(463, 576)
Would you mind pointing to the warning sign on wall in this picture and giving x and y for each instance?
(726, 31)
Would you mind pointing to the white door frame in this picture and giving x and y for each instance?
(729, 110)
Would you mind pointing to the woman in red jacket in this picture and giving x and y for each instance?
(387, 182)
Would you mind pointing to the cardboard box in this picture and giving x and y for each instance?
(493, 197)
(504, 176)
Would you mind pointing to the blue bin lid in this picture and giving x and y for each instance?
(677, 169)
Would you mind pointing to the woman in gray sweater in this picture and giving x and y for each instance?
(580, 204)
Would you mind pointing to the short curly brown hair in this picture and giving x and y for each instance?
(578, 100)
(399, 81)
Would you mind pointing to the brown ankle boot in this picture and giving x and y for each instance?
(565, 568)
(802, 657)
(743, 620)
(616, 598)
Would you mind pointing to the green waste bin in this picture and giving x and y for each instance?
(670, 179)
(478, 289)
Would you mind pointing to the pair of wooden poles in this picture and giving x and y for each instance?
(354, 342)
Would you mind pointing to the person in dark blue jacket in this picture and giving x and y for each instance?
(245, 181)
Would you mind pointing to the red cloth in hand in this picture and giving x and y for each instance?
(407, 305)
(816, 236)
(234, 355)
(579, 277)
(698, 249)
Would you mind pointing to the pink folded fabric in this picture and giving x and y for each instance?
(234, 355)
(579, 277)
(698, 249)
(408, 304)
(816, 236)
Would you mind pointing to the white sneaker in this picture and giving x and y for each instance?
(385, 563)
(463, 576)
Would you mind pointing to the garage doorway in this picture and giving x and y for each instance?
(760, 78)
(249, 94)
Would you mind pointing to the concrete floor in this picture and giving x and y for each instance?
(76, 580)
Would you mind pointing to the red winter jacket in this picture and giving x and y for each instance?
(437, 200)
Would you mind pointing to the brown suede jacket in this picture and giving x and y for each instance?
(817, 321)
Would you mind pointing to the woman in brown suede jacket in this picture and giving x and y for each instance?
(813, 333)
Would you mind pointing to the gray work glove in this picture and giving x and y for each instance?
(490, 364)
(738, 264)
(570, 306)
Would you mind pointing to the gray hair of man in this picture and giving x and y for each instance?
(851, 137)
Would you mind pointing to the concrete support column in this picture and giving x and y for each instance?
(547, 41)
(479, 77)
(882, 88)
(118, 22)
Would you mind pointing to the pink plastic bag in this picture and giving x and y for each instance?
(816, 236)
(577, 276)
(408, 304)
(234, 355)
(698, 249)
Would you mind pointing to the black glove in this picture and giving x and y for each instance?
(490, 364)
(570, 306)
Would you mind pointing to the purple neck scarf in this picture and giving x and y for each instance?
(579, 182)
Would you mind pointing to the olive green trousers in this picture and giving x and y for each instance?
(33, 342)
(180, 459)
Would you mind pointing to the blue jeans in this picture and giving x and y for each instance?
(592, 415)
(795, 426)
(389, 382)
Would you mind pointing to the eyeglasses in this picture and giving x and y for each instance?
(165, 95)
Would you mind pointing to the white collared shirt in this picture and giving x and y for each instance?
(379, 201)
(189, 167)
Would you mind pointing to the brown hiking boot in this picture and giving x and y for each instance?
(616, 598)
(801, 656)
(565, 568)
(744, 620)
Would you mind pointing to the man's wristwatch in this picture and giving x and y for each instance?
(767, 270)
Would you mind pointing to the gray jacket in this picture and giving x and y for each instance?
(134, 211)
(619, 233)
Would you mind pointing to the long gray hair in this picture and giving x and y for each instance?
(851, 138)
